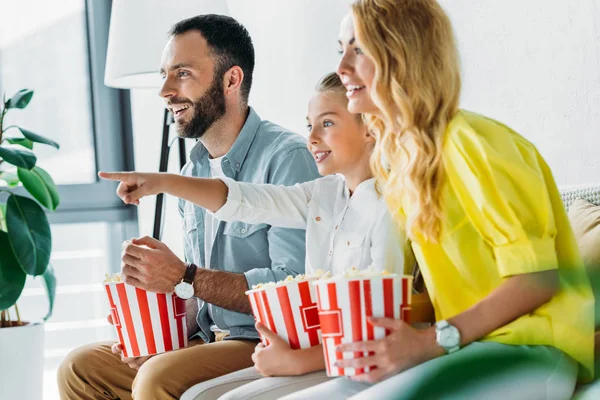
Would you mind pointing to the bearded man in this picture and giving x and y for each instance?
(207, 68)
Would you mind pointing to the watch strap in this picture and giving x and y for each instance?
(190, 273)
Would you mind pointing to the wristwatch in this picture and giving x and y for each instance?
(447, 336)
(185, 289)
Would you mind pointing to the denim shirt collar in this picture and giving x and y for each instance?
(235, 157)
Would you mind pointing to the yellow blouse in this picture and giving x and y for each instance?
(504, 216)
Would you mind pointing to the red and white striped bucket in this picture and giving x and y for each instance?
(344, 306)
(290, 311)
(146, 323)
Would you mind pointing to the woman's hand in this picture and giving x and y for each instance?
(276, 359)
(404, 348)
(135, 185)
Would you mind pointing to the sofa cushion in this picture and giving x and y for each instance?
(585, 220)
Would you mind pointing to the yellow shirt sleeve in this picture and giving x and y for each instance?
(498, 180)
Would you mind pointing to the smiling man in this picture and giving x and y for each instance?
(207, 67)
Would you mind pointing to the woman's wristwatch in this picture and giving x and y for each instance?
(185, 289)
(447, 336)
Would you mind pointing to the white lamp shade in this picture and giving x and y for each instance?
(138, 34)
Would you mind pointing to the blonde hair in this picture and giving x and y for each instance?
(417, 89)
(331, 83)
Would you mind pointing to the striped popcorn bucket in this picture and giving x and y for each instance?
(146, 323)
(289, 311)
(344, 306)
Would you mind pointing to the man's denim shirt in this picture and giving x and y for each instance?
(263, 153)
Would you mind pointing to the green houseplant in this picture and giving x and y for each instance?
(25, 238)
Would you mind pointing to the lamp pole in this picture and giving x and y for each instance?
(165, 148)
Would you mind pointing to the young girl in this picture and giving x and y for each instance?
(346, 222)
(485, 219)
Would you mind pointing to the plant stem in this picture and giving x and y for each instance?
(2, 140)
(18, 316)
(2, 114)
(2, 319)
(8, 315)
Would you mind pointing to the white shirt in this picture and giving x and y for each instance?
(211, 226)
(342, 231)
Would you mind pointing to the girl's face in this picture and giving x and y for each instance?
(337, 139)
(356, 70)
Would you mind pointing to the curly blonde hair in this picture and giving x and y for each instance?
(417, 89)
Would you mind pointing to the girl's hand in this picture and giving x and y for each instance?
(404, 348)
(134, 185)
(276, 359)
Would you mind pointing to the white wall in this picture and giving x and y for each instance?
(535, 65)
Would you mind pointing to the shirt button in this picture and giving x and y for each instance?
(330, 252)
(243, 230)
(336, 227)
(348, 243)
(318, 219)
(237, 165)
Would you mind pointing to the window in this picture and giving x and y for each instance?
(61, 107)
(58, 49)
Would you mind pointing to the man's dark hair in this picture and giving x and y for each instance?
(229, 42)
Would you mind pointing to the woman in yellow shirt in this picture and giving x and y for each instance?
(486, 222)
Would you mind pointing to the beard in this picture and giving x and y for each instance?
(208, 109)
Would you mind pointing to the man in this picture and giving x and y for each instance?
(207, 68)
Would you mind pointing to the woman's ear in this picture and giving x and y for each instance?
(369, 136)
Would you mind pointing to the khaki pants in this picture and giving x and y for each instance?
(94, 372)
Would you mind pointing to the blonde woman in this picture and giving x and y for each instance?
(346, 222)
(486, 222)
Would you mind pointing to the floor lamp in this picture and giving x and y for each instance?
(138, 33)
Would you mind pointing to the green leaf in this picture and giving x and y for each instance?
(20, 99)
(19, 158)
(50, 284)
(2, 217)
(41, 186)
(12, 277)
(11, 179)
(30, 236)
(34, 137)
(21, 142)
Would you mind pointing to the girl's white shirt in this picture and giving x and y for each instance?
(342, 231)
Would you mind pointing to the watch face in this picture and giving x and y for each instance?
(449, 337)
(184, 290)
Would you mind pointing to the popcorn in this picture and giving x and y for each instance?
(113, 278)
(291, 279)
(322, 274)
(369, 272)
